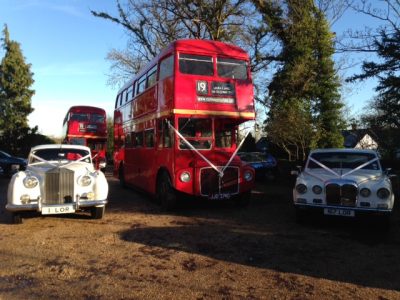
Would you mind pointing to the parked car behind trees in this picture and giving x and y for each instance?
(264, 164)
(10, 164)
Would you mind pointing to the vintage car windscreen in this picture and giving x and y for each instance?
(343, 160)
(61, 155)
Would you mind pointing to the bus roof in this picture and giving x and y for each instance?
(206, 47)
(85, 108)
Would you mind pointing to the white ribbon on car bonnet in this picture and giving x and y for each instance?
(336, 174)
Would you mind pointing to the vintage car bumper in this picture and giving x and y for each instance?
(358, 211)
(37, 207)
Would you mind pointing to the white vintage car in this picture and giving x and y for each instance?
(343, 182)
(58, 179)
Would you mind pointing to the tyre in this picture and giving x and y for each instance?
(301, 215)
(16, 218)
(166, 195)
(97, 212)
(243, 200)
(121, 176)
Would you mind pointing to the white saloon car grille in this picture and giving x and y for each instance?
(59, 186)
(341, 194)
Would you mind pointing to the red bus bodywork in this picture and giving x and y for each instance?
(87, 126)
(201, 89)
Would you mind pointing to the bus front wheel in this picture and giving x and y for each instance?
(121, 176)
(165, 193)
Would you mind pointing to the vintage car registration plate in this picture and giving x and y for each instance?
(58, 209)
(339, 212)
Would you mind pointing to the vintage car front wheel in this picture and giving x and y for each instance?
(16, 218)
(97, 212)
(121, 176)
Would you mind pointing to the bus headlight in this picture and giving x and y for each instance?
(185, 177)
(248, 175)
(30, 182)
(84, 180)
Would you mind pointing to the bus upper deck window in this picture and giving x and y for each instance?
(166, 67)
(232, 68)
(196, 64)
(97, 118)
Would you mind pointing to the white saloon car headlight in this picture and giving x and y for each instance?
(383, 193)
(365, 192)
(84, 180)
(301, 188)
(317, 189)
(30, 182)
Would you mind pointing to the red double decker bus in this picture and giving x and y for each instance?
(87, 126)
(176, 123)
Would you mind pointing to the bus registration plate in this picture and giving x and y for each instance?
(339, 212)
(220, 196)
(57, 209)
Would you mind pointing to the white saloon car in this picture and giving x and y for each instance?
(343, 182)
(58, 179)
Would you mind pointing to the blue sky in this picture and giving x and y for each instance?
(67, 47)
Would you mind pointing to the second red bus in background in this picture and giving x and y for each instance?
(87, 126)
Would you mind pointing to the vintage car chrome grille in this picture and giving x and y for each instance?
(343, 195)
(59, 186)
(211, 183)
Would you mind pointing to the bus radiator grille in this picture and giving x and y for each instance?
(59, 186)
(211, 183)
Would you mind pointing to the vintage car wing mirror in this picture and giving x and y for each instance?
(388, 171)
(296, 172)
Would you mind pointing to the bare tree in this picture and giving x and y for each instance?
(151, 25)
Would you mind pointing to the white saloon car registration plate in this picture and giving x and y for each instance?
(57, 209)
(339, 212)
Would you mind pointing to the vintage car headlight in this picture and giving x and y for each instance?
(84, 180)
(248, 175)
(301, 188)
(365, 192)
(383, 193)
(185, 177)
(317, 189)
(30, 182)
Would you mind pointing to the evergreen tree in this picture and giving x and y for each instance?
(386, 105)
(306, 79)
(15, 95)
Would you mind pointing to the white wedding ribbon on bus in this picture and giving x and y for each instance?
(219, 170)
